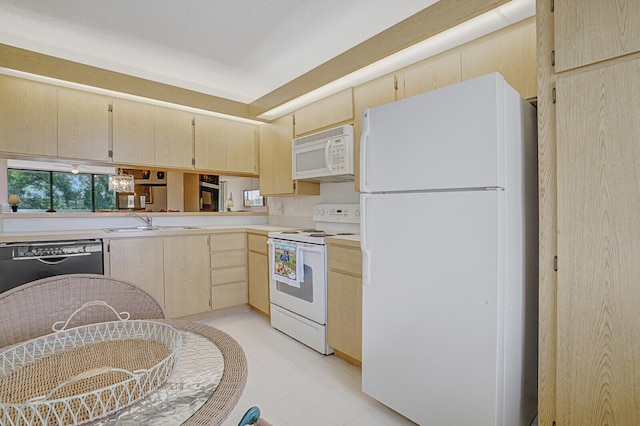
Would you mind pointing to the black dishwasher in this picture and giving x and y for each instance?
(21, 263)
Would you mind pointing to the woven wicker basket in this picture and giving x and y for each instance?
(81, 374)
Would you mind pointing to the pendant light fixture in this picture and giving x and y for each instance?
(121, 182)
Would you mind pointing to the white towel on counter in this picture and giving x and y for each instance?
(288, 263)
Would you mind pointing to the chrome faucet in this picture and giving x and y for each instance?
(146, 218)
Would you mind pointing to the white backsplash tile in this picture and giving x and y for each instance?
(298, 211)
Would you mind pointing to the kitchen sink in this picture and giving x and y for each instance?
(152, 228)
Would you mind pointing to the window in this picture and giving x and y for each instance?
(60, 191)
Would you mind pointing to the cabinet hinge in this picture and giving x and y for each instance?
(395, 82)
(553, 58)
(553, 95)
(555, 263)
(193, 161)
(109, 247)
(110, 108)
(294, 186)
(193, 121)
(110, 153)
(553, 5)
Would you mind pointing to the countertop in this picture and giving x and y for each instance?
(346, 240)
(12, 237)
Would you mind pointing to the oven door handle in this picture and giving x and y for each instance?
(302, 246)
(315, 249)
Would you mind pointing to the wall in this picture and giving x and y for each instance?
(298, 211)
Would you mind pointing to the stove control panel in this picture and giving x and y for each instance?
(345, 213)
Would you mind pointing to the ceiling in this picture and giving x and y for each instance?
(243, 51)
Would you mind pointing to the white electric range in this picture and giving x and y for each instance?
(298, 274)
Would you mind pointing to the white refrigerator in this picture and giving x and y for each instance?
(449, 231)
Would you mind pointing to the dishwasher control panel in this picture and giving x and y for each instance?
(43, 250)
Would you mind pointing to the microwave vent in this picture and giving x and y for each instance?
(326, 134)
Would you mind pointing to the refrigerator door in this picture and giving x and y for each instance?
(431, 328)
(447, 138)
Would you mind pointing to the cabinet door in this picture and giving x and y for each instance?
(330, 111)
(598, 357)
(369, 95)
(511, 51)
(275, 161)
(242, 147)
(28, 117)
(186, 273)
(140, 261)
(83, 125)
(173, 138)
(210, 145)
(344, 313)
(258, 272)
(430, 74)
(133, 133)
(587, 32)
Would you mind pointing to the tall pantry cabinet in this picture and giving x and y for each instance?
(589, 177)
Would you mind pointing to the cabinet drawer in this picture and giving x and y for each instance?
(228, 275)
(344, 259)
(223, 242)
(224, 259)
(223, 296)
(257, 243)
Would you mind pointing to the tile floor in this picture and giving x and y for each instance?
(294, 385)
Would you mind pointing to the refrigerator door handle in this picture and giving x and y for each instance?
(366, 256)
(363, 151)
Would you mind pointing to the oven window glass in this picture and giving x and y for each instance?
(305, 292)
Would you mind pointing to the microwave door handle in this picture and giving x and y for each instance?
(327, 148)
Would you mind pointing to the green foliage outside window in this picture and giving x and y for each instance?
(44, 190)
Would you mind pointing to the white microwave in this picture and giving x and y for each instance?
(325, 156)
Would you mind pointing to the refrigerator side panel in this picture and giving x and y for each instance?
(432, 323)
(521, 261)
(446, 138)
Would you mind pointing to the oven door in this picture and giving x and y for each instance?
(309, 300)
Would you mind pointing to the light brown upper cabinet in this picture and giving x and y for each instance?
(275, 161)
(133, 133)
(594, 32)
(368, 95)
(510, 51)
(225, 145)
(333, 110)
(83, 125)
(173, 138)
(432, 73)
(28, 117)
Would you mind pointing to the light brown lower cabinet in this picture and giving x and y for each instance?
(140, 261)
(186, 275)
(175, 270)
(258, 268)
(344, 299)
(228, 269)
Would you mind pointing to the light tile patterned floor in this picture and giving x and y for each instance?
(294, 385)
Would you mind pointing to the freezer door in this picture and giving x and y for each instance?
(431, 329)
(452, 137)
